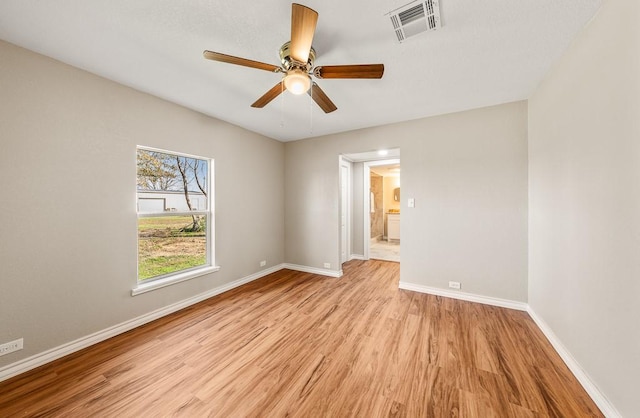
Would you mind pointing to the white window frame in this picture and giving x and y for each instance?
(143, 286)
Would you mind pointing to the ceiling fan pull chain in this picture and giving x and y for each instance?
(311, 110)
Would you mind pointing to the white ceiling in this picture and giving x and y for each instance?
(486, 53)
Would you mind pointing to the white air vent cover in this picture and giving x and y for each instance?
(415, 18)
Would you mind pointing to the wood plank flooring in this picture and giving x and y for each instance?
(302, 345)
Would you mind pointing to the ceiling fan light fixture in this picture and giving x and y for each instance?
(297, 81)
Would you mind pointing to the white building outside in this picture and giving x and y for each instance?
(169, 201)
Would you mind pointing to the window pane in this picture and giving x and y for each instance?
(169, 183)
(167, 244)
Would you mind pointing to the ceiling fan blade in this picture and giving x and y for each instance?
(303, 26)
(321, 99)
(217, 56)
(269, 96)
(350, 71)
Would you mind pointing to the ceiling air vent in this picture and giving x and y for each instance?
(415, 18)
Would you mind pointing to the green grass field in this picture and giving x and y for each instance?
(163, 246)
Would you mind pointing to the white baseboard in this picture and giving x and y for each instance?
(48, 356)
(356, 257)
(598, 397)
(314, 270)
(470, 297)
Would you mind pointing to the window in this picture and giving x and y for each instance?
(175, 220)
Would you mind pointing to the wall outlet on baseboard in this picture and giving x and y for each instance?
(10, 347)
(327, 265)
(263, 263)
(454, 285)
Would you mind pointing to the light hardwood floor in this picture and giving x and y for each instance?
(298, 344)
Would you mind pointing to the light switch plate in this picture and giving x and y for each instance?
(411, 202)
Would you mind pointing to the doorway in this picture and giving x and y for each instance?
(383, 209)
(355, 198)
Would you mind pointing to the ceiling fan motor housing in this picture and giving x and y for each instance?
(289, 63)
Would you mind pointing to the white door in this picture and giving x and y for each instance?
(344, 213)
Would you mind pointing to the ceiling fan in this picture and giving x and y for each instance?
(297, 57)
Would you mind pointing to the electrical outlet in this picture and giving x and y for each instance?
(263, 263)
(454, 285)
(327, 265)
(10, 347)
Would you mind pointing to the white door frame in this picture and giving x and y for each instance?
(346, 195)
(366, 203)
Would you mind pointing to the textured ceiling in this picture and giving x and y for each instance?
(486, 53)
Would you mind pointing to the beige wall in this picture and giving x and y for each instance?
(68, 229)
(584, 275)
(468, 174)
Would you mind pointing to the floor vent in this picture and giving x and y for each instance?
(415, 18)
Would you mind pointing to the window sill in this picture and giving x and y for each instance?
(168, 281)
